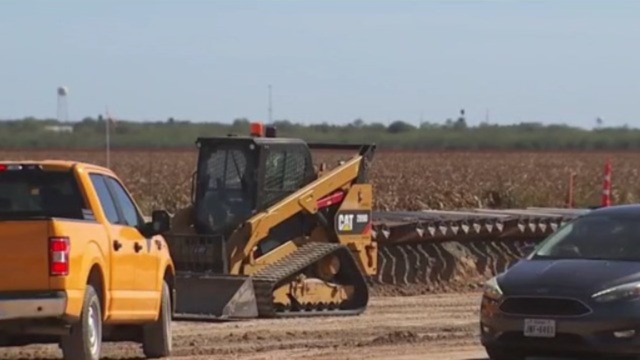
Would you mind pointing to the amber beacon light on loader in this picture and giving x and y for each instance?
(267, 235)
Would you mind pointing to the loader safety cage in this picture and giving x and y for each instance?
(199, 253)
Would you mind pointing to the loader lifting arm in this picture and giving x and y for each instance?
(308, 200)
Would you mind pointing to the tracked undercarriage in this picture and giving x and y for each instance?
(285, 289)
(307, 282)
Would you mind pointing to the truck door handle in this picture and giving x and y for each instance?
(116, 245)
(137, 247)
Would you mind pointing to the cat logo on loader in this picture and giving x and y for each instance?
(345, 222)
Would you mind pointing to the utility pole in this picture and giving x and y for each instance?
(270, 107)
(107, 122)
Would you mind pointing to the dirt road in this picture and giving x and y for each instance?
(404, 328)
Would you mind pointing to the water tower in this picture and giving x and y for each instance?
(63, 112)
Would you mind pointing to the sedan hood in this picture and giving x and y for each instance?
(566, 276)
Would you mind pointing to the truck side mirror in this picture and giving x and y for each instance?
(160, 221)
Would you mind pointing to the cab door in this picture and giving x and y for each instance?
(122, 285)
(145, 251)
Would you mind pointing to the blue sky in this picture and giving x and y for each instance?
(334, 61)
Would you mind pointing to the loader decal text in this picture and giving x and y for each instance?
(352, 222)
(345, 222)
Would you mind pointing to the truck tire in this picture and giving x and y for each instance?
(157, 336)
(85, 340)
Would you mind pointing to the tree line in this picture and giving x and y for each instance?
(451, 134)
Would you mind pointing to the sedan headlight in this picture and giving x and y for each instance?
(620, 292)
(492, 290)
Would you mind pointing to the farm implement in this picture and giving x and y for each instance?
(427, 251)
(271, 234)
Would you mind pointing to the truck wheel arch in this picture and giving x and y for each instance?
(93, 267)
(96, 279)
(170, 278)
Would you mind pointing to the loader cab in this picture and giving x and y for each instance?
(237, 177)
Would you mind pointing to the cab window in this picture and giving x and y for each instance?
(285, 173)
(106, 201)
(129, 211)
(29, 193)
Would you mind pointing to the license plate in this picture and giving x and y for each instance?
(539, 328)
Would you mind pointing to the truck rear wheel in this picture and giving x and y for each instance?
(85, 340)
(157, 336)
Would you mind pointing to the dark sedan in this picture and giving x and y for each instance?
(576, 294)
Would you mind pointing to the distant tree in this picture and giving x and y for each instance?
(399, 126)
(376, 126)
(460, 124)
(240, 122)
(451, 134)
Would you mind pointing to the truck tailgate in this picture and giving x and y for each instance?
(24, 261)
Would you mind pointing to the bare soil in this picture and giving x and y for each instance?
(438, 326)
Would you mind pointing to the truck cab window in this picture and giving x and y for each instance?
(106, 201)
(38, 193)
(129, 210)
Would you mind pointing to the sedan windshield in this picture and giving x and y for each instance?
(611, 237)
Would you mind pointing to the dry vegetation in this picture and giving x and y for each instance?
(403, 180)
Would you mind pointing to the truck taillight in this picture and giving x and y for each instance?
(59, 256)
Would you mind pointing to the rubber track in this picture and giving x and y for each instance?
(266, 280)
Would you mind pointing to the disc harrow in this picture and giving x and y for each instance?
(430, 251)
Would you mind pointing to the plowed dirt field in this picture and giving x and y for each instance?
(423, 327)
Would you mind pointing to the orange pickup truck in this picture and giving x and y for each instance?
(80, 264)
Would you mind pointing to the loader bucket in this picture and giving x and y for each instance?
(214, 297)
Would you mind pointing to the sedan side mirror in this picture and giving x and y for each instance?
(160, 221)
